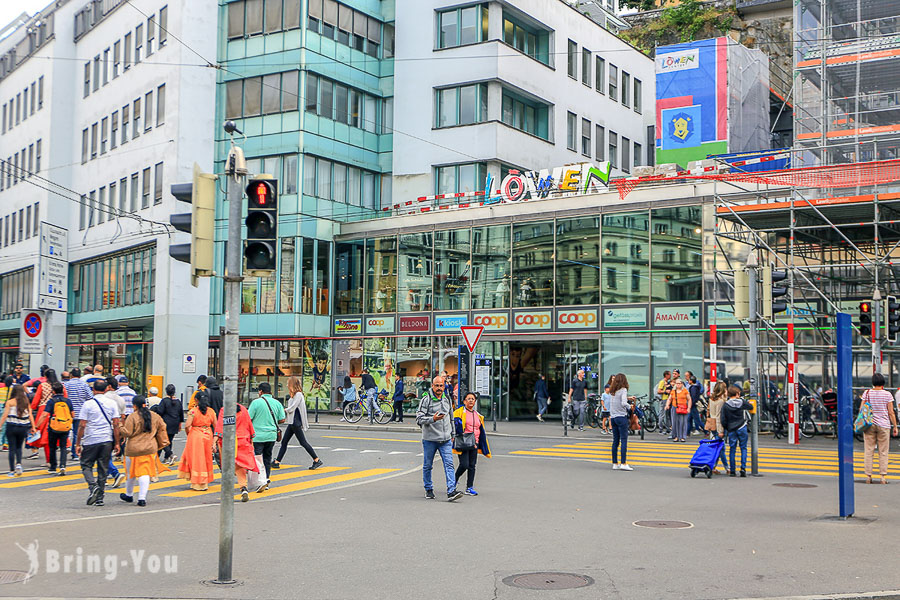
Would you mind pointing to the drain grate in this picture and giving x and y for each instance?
(12, 576)
(548, 581)
(795, 485)
(664, 524)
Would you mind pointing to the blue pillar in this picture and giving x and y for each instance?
(845, 414)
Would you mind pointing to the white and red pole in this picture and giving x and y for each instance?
(712, 358)
(793, 420)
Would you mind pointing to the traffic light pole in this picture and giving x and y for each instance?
(234, 180)
(753, 362)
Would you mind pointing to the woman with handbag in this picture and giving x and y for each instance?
(296, 411)
(469, 441)
(680, 399)
(146, 434)
(196, 463)
(19, 421)
(714, 420)
(884, 424)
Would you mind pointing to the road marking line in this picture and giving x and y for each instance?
(153, 486)
(214, 489)
(347, 437)
(366, 451)
(342, 449)
(398, 452)
(284, 489)
(49, 479)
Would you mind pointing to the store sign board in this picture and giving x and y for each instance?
(347, 326)
(414, 323)
(581, 178)
(676, 316)
(380, 324)
(87, 338)
(625, 317)
(135, 336)
(101, 336)
(450, 322)
(718, 315)
(577, 319)
(492, 321)
(678, 61)
(71, 338)
(117, 336)
(537, 320)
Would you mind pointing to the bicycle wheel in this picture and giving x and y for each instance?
(353, 412)
(594, 420)
(808, 427)
(385, 412)
(650, 422)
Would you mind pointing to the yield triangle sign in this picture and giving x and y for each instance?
(471, 333)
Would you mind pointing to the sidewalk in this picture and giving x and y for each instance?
(551, 429)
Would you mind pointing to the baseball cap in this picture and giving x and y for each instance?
(122, 378)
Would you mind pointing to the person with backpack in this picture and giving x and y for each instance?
(470, 440)
(433, 416)
(98, 436)
(734, 422)
(146, 435)
(60, 410)
(172, 414)
(216, 395)
(19, 422)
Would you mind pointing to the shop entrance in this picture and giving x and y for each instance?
(559, 361)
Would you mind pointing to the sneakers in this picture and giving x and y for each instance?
(732, 474)
(142, 503)
(429, 494)
(540, 418)
(19, 470)
(743, 473)
(454, 495)
(615, 466)
(11, 474)
(245, 495)
(316, 464)
(120, 479)
(99, 502)
(33, 456)
(94, 496)
(276, 465)
(61, 472)
(262, 488)
(471, 492)
(126, 498)
(51, 470)
(343, 420)
(625, 467)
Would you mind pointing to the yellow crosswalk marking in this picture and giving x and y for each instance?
(16, 483)
(305, 485)
(214, 489)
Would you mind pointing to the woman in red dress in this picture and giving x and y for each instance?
(244, 460)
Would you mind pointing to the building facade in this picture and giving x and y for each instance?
(94, 145)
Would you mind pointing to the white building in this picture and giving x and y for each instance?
(524, 84)
(102, 110)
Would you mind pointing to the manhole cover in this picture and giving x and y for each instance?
(548, 581)
(664, 524)
(795, 485)
(12, 576)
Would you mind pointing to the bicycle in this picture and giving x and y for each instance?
(593, 414)
(647, 416)
(641, 413)
(354, 411)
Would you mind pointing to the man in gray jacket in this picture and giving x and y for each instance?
(434, 416)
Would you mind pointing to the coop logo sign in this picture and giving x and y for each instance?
(576, 319)
(678, 61)
(533, 321)
(380, 325)
(348, 326)
(492, 321)
(533, 185)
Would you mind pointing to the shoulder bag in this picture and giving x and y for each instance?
(274, 420)
(465, 441)
(865, 418)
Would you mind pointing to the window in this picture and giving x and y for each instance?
(586, 67)
(613, 82)
(123, 195)
(626, 154)
(462, 105)
(117, 58)
(87, 82)
(626, 89)
(460, 178)
(33, 98)
(335, 101)
(573, 59)
(160, 105)
(613, 149)
(233, 98)
(138, 42)
(158, 183)
(127, 46)
(96, 73)
(163, 25)
(135, 191)
(136, 118)
(571, 121)
(105, 66)
(37, 156)
(525, 115)
(151, 25)
(112, 199)
(637, 95)
(104, 131)
(461, 26)
(289, 177)
(40, 92)
(312, 93)
(148, 110)
(84, 146)
(125, 120)
(290, 85)
(600, 142)
(586, 137)
(101, 205)
(145, 188)
(637, 154)
(235, 20)
(528, 40)
(94, 141)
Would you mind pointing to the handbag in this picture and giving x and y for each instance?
(464, 441)
(33, 437)
(274, 420)
(681, 409)
(865, 418)
(710, 424)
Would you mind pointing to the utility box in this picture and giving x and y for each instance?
(155, 381)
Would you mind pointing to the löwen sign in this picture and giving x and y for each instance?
(582, 178)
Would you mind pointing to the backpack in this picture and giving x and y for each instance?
(62, 417)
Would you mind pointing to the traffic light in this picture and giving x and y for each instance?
(865, 318)
(741, 295)
(771, 306)
(262, 227)
(892, 319)
(200, 223)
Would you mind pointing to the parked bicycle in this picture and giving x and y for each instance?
(642, 413)
(384, 410)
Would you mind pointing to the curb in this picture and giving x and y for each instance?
(885, 595)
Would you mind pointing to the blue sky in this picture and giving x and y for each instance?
(10, 9)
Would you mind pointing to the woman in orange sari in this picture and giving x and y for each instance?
(197, 463)
(244, 460)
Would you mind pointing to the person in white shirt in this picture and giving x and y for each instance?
(153, 399)
(296, 415)
(98, 436)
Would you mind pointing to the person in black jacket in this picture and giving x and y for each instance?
(399, 397)
(172, 413)
(542, 395)
(216, 395)
(734, 422)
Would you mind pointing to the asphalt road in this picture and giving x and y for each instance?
(364, 530)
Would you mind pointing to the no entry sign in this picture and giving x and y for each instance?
(31, 333)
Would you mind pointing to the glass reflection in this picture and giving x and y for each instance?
(490, 267)
(677, 253)
(578, 261)
(348, 277)
(626, 265)
(415, 270)
(381, 275)
(452, 269)
(532, 252)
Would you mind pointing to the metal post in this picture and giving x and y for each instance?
(876, 331)
(845, 415)
(234, 180)
(754, 363)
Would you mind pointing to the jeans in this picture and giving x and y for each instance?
(372, 402)
(111, 469)
(739, 435)
(446, 451)
(57, 439)
(265, 449)
(101, 454)
(580, 407)
(76, 423)
(695, 422)
(16, 435)
(672, 435)
(620, 436)
(542, 405)
(296, 431)
(467, 460)
(168, 448)
(724, 458)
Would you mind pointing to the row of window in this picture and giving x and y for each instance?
(330, 180)
(126, 52)
(26, 103)
(461, 105)
(268, 94)
(20, 225)
(286, 164)
(462, 26)
(629, 90)
(105, 134)
(253, 17)
(349, 27)
(526, 39)
(106, 203)
(314, 256)
(123, 279)
(600, 149)
(16, 292)
(21, 165)
(343, 104)
(37, 34)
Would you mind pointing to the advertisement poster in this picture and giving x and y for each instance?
(316, 373)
